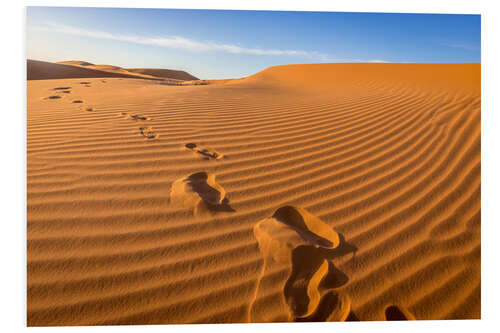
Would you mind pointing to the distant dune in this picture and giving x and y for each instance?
(41, 70)
(75, 63)
(166, 73)
(321, 192)
(142, 72)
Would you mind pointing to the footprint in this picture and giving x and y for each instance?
(77, 101)
(298, 244)
(61, 88)
(53, 97)
(89, 109)
(135, 117)
(199, 191)
(66, 91)
(138, 117)
(393, 312)
(147, 132)
(84, 82)
(206, 153)
(333, 306)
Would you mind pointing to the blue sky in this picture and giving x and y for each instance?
(230, 44)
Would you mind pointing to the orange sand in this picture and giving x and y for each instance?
(301, 193)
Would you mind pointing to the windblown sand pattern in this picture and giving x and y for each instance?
(345, 192)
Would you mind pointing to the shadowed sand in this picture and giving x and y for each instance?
(355, 194)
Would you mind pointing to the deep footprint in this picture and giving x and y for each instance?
(138, 117)
(333, 306)
(395, 313)
(61, 88)
(135, 117)
(199, 191)
(205, 153)
(53, 97)
(295, 241)
(147, 132)
(77, 101)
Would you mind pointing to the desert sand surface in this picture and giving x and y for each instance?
(321, 192)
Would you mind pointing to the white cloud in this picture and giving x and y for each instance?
(178, 42)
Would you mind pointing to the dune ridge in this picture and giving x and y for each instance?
(42, 70)
(319, 192)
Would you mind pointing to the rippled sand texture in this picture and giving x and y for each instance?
(301, 193)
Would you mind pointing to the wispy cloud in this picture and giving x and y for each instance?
(462, 45)
(178, 42)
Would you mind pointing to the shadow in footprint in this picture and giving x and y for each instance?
(224, 206)
(341, 250)
(77, 101)
(138, 117)
(200, 189)
(295, 240)
(205, 153)
(352, 317)
(332, 307)
(53, 97)
(148, 133)
(135, 117)
(395, 313)
(61, 88)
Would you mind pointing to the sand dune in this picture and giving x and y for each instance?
(41, 70)
(317, 192)
(138, 72)
(166, 73)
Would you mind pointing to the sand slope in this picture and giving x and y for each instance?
(166, 73)
(138, 72)
(366, 178)
(42, 70)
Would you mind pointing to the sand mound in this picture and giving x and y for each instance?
(319, 77)
(363, 180)
(41, 70)
(166, 73)
(291, 227)
(157, 73)
(75, 63)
